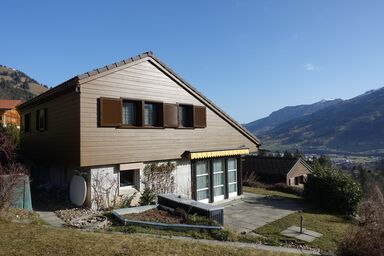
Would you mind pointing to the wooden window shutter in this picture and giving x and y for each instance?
(170, 115)
(110, 112)
(200, 117)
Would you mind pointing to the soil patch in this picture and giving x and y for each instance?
(156, 215)
(176, 217)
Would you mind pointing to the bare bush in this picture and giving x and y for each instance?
(105, 189)
(367, 238)
(10, 172)
(7, 150)
(251, 180)
(282, 187)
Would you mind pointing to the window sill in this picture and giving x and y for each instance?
(127, 190)
(126, 126)
(139, 127)
(152, 127)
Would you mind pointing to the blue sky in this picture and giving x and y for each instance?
(250, 57)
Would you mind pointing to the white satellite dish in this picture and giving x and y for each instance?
(78, 190)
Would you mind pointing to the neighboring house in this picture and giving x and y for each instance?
(8, 112)
(114, 121)
(292, 171)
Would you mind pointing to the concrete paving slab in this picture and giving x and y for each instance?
(51, 218)
(254, 211)
(307, 235)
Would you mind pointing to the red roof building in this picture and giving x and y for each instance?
(8, 112)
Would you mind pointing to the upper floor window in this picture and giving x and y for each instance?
(41, 119)
(153, 114)
(185, 115)
(27, 122)
(131, 113)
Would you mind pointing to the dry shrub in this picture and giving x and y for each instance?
(251, 180)
(10, 173)
(368, 237)
(282, 187)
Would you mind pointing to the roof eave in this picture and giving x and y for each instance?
(61, 88)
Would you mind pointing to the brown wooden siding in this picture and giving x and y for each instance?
(59, 144)
(101, 145)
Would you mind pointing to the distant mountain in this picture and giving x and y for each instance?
(14, 84)
(263, 125)
(350, 126)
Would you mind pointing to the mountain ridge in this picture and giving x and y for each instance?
(348, 126)
(15, 84)
(285, 114)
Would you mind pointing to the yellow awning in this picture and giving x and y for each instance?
(219, 153)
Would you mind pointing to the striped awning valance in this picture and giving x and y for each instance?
(218, 153)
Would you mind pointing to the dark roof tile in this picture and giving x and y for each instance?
(111, 66)
(272, 165)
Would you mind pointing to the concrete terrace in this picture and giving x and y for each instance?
(253, 211)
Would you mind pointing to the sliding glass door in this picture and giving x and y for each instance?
(218, 179)
(232, 177)
(202, 181)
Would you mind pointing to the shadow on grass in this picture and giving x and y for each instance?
(276, 202)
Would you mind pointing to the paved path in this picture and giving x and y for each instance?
(51, 218)
(254, 211)
(239, 245)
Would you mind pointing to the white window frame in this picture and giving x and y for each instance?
(131, 188)
(205, 200)
(219, 197)
(232, 194)
(125, 111)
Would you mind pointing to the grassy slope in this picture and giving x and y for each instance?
(36, 89)
(331, 226)
(34, 239)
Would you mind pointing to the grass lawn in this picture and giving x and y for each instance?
(270, 192)
(331, 226)
(36, 239)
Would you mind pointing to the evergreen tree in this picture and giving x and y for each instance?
(287, 154)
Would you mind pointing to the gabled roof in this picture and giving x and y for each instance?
(275, 165)
(76, 82)
(9, 104)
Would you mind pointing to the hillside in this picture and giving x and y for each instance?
(263, 125)
(14, 84)
(350, 126)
